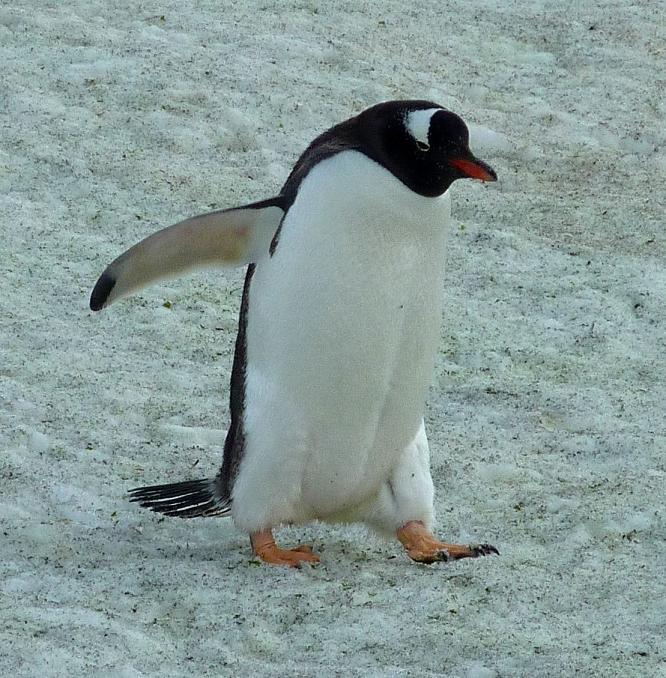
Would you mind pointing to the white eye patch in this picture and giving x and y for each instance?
(417, 124)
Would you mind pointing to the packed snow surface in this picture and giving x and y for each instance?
(546, 413)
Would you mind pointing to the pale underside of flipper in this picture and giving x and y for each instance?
(233, 237)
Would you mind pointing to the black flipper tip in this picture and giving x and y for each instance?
(101, 291)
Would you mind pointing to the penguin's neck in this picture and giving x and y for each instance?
(359, 198)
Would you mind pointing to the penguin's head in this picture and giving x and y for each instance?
(422, 144)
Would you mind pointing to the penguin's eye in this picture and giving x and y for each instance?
(422, 146)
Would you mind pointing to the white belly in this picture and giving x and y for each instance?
(342, 330)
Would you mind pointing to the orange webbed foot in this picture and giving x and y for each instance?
(267, 551)
(423, 547)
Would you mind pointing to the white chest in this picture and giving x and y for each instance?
(342, 330)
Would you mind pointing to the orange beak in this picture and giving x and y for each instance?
(474, 169)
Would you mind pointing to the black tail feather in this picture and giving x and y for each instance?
(189, 499)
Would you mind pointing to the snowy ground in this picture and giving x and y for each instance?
(546, 416)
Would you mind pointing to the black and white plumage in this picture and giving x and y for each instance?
(338, 325)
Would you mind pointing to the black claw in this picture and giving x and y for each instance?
(442, 556)
(483, 550)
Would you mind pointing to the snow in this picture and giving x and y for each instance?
(546, 414)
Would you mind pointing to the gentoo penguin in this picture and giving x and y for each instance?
(337, 334)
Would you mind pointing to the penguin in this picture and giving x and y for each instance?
(337, 334)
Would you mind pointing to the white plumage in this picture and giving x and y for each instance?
(342, 328)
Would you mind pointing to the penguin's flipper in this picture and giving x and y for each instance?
(233, 237)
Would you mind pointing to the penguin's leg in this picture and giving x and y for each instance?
(404, 507)
(267, 489)
(265, 548)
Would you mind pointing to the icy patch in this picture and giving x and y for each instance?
(10, 511)
(557, 504)
(197, 435)
(499, 473)
(478, 670)
(477, 93)
(485, 140)
(38, 442)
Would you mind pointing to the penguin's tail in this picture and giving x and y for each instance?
(189, 499)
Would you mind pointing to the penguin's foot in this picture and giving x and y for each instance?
(264, 548)
(422, 546)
